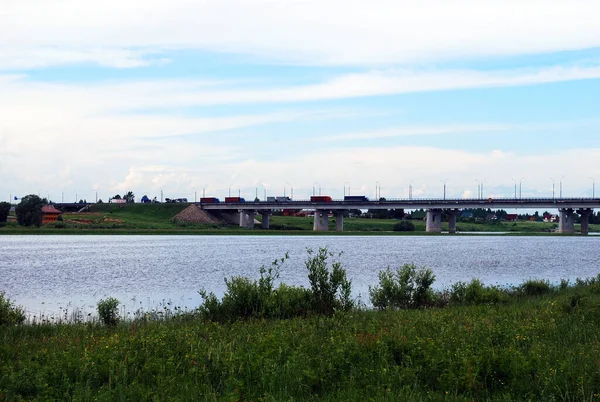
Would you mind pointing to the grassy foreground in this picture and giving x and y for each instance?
(531, 348)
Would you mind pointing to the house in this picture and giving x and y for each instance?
(50, 214)
(550, 218)
(512, 217)
(491, 217)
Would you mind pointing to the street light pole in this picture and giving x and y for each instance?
(515, 187)
(521, 187)
(593, 187)
(552, 187)
(560, 182)
(444, 181)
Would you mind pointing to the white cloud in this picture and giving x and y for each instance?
(318, 32)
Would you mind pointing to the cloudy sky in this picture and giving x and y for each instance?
(248, 96)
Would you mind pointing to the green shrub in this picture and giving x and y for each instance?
(407, 287)
(107, 311)
(330, 290)
(9, 313)
(245, 298)
(404, 226)
(535, 287)
(476, 293)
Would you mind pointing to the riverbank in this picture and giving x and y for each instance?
(530, 348)
(158, 219)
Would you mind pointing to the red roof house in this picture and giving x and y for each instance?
(50, 214)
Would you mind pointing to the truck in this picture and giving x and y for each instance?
(209, 200)
(234, 199)
(320, 198)
(355, 198)
(278, 199)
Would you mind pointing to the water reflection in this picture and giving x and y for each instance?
(53, 273)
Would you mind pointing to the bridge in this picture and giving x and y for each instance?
(567, 208)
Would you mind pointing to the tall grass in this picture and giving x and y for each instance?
(469, 342)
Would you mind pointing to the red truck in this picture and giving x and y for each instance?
(209, 200)
(320, 198)
(234, 199)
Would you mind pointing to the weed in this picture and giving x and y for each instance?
(9, 313)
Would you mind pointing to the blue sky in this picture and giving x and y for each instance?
(225, 96)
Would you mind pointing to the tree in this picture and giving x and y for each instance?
(396, 213)
(129, 197)
(116, 197)
(4, 210)
(29, 210)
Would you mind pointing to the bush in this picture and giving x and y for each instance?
(535, 287)
(476, 293)
(245, 298)
(407, 287)
(9, 313)
(330, 291)
(404, 226)
(107, 311)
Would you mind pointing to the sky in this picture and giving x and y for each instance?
(184, 98)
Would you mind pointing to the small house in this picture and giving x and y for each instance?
(512, 217)
(50, 214)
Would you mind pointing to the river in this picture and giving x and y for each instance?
(50, 274)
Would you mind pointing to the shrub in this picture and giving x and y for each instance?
(534, 287)
(245, 298)
(330, 291)
(407, 287)
(9, 313)
(107, 310)
(476, 293)
(404, 226)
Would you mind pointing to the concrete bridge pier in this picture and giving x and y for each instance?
(567, 221)
(434, 221)
(266, 219)
(321, 223)
(452, 214)
(585, 220)
(247, 218)
(339, 221)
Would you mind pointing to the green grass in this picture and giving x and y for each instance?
(532, 348)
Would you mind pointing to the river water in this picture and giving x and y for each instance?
(48, 274)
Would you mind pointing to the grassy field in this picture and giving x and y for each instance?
(530, 348)
(157, 219)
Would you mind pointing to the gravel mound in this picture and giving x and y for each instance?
(194, 214)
